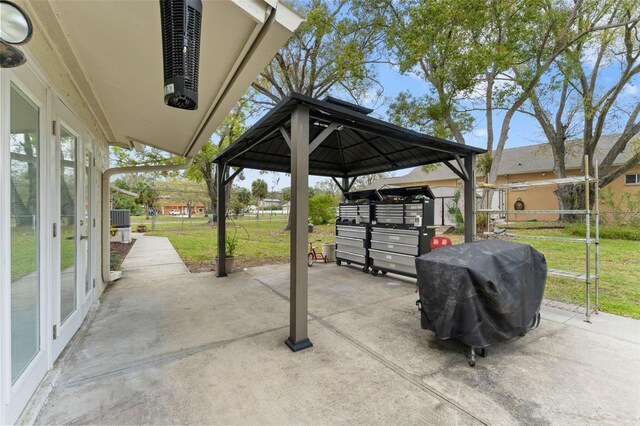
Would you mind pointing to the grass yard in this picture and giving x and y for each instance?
(619, 271)
(263, 242)
(259, 242)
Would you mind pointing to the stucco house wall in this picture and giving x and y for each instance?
(534, 198)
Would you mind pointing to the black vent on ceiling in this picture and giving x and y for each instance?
(181, 26)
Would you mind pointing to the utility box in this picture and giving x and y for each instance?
(121, 218)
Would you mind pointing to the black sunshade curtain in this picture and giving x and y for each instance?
(359, 145)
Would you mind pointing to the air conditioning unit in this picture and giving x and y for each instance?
(181, 27)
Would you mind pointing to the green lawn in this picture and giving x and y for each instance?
(619, 271)
(259, 242)
(264, 242)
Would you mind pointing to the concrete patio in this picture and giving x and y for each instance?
(167, 346)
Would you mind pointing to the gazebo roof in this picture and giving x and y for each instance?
(351, 143)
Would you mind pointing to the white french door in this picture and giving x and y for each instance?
(24, 283)
(71, 239)
(47, 207)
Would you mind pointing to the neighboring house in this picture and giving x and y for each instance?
(94, 78)
(268, 202)
(522, 164)
(183, 208)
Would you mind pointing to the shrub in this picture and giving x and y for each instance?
(322, 209)
(455, 212)
(482, 219)
(614, 232)
(271, 208)
(624, 210)
(114, 261)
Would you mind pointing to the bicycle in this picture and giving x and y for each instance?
(313, 255)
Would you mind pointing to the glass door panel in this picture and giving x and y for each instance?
(68, 195)
(25, 270)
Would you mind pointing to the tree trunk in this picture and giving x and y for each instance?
(570, 197)
(288, 226)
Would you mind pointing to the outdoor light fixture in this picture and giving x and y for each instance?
(15, 28)
(181, 21)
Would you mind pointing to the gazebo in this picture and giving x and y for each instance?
(306, 136)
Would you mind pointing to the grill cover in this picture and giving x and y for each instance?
(481, 293)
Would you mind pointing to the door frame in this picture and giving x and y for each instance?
(13, 397)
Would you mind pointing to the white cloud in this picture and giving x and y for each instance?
(630, 89)
(480, 133)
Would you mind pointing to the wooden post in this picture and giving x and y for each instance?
(470, 198)
(298, 275)
(220, 172)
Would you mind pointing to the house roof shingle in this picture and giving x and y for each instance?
(524, 159)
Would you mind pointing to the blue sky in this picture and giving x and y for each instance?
(394, 83)
(524, 129)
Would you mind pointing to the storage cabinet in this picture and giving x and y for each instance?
(394, 249)
(405, 212)
(386, 229)
(354, 213)
(351, 245)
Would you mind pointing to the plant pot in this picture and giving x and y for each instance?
(228, 264)
(141, 228)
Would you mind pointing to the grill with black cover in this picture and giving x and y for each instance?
(481, 293)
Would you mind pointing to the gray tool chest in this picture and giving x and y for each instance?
(404, 212)
(385, 230)
(352, 234)
(394, 249)
(351, 245)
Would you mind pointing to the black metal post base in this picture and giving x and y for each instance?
(298, 346)
(219, 275)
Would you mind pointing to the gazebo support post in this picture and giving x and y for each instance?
(222, 231)
(298, 277)
(345, 187)
(470, 198)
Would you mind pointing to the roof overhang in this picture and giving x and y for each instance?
(113, 53)
(358, 145)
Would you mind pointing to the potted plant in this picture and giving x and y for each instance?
(230, 247)
(141, 228)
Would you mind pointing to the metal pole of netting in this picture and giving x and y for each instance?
(597, 260)
(588, 239)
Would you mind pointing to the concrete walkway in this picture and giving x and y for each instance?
(167, 347)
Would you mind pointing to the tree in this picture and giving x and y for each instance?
(584, 96)
(183, 191)
(125, 201)
(495, 52)
(244, 195)
(147, 197)
(259, 189)
(322, 208)
(240, 199)
(328, 186)
(286, 194)
(331, 52)
(364, 182)
(203, 169)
